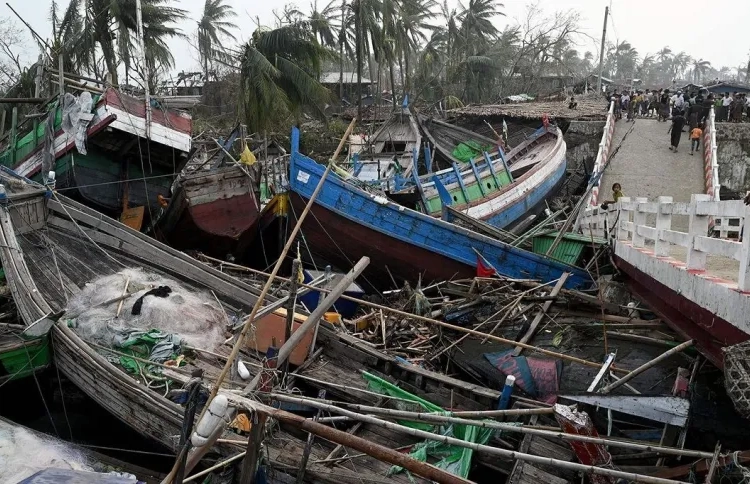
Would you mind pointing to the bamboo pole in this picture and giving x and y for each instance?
(369, 447)
(508, 454)
(646, 366)
(240, 343)
(214, 467)
(436, 418)
(122, 297)
(425, 319)
(343, 140)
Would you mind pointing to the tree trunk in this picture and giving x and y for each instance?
(358, 42)
(393, 82)
(341, 51)
(408, 75)
(401, 69)
(110, 58)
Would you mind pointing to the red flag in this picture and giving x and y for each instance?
(483, 270)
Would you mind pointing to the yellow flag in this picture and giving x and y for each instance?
(247, 157)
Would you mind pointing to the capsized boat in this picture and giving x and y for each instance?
(486, 183)
(348, 222)
(103, 152)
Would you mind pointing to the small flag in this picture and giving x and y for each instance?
(505, 130)
(405, 104)
(482, 269)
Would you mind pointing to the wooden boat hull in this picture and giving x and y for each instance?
(95, 181)
(504, 206)
(348, 220)
(341, 241)
(119, 148)
(396, 140)
(211, 212)
(146, 410)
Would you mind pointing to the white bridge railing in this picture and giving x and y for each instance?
(642, 223)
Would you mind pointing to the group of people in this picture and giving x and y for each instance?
(646, 103)
(730, 107)
(684, 109)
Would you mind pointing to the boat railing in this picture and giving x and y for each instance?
(647, 226)
(277, 171)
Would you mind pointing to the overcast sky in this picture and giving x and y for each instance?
(715, 30)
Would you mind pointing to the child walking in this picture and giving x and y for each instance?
(695, 138)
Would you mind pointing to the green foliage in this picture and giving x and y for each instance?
(214, 25)
(279, 69)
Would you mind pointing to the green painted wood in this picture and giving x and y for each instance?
(23, 360)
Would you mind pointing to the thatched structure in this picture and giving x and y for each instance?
(590, 108)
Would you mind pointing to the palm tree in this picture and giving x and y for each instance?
(323, 22)
(700, 67)
(109, 24)
(213, 25)
(664, 55)
(411, 25)
(68, 36)
(476, 24)
(279, 70)
(681, 61)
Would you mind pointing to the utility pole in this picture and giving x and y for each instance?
(139, 24)
(601, 52)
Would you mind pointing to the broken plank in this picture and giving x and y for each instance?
(540, 314)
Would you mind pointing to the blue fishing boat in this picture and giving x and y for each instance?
(349, 220)
(486, 183)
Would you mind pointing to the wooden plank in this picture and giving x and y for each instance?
(540, 314)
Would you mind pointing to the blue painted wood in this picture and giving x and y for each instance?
(479, 179)
(461, 182)
(445, 196)
(492, 169)
(428, 157)
(420, 230)
(514, 212)
(501, 154)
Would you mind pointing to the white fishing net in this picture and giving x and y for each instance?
(23, 453)
(194, 316)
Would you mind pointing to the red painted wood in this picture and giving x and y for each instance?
(588, 453)
(710, 332)
(342, 242)
(215, 227)
(136, 106)
(226, 217)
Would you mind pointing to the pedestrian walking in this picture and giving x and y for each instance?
(695, 138)
(678, 122)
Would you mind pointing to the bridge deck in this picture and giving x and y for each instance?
(645, 167)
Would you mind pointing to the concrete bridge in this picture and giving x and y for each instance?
(676, 242)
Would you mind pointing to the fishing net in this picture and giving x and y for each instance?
(737, 376)
(23, 453)
(166, 314)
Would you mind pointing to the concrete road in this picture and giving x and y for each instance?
(645, 167)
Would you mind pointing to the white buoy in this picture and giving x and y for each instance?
(211, 420)
(242, 370)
